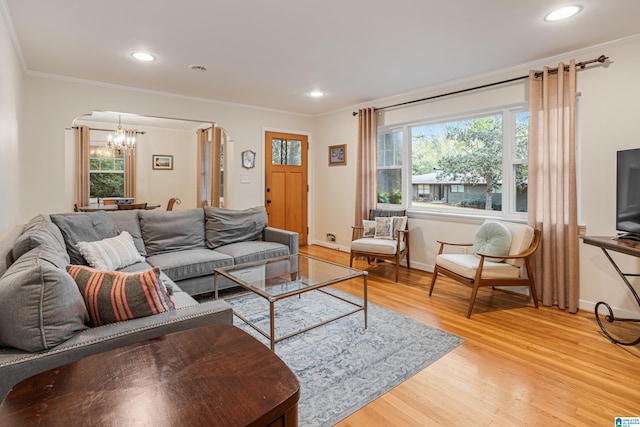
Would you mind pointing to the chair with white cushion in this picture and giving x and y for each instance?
(384, 236)
(502, 252)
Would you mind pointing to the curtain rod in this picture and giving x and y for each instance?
(601, 59)
(138, 132)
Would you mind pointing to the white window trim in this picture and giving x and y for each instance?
(508, 159)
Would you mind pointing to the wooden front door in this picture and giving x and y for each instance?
(286, 182)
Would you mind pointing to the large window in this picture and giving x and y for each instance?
(469, 164)
(106, 173)
(389, 161)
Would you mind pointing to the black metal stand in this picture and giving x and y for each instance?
(610, 317)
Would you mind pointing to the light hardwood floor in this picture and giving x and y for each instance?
(518, 366)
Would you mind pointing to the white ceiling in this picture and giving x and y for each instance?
(272, 53)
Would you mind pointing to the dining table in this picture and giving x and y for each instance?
(112, 207)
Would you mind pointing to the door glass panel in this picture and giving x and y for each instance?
(286, 152)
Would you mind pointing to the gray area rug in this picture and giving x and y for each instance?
(341, 366)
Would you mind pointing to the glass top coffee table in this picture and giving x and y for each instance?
(283, 277)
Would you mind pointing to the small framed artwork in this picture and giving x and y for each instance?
(338, 155)
(162, 162)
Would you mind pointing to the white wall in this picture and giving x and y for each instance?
(10, 106)
(51, 105)
(608, 116)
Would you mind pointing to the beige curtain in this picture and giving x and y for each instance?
(130, 173)
(83, 141)
(208, 166)
(552, 184)
(201, 190)
(366, 178)
(215, 165)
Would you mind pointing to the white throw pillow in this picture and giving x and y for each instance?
(398, 223)
(111, 253)
(369, 228)
(383, 228)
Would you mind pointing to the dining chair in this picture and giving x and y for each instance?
(173, 201)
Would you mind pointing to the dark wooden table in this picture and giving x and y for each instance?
(114, 207)
(212, 376)
(628, 247)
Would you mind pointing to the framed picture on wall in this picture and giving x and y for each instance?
(162, 162)
(338, 155)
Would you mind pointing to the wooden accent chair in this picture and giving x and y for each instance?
(132, 206)
(173, 201)
(483, 268)
(393, 247)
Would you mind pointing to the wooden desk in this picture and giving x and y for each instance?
(628, 247)
(216, 375)
(101, 207)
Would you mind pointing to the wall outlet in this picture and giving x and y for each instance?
(465, 251)
(331, 237)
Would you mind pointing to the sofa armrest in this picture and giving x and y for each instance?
(278, 235)
(16, 365)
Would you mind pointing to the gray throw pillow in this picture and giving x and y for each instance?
(84, 227)
(169, 231)
(226, 226)
(40, 304)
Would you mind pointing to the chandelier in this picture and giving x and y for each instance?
(123, 141)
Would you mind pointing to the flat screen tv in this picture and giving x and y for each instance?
(628, 194)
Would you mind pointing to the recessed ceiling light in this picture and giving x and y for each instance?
(316, 94)
(562, 13)
(143, 56)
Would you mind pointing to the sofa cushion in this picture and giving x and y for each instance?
(226, 226)
(84, 227)
(127, 220)
(376, 245)
(112, 296)
(190, 263)
(253, 251)
(111, 253)
(40, 305)
(168, 231)
(467, 264)
(39, 231)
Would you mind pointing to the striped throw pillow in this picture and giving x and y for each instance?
(111, 253)
(112, 296)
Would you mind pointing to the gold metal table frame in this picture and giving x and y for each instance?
(278, 278)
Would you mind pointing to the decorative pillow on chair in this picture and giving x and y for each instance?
(383, 228)
(112, 297)
(398, 223)
(492, 238)
(111, 253)
(369, 228)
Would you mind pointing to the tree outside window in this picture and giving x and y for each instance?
(106, 173)
(475, 163)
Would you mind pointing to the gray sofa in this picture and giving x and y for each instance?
(44, 321)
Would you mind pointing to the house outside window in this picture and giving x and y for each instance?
(469, 165)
